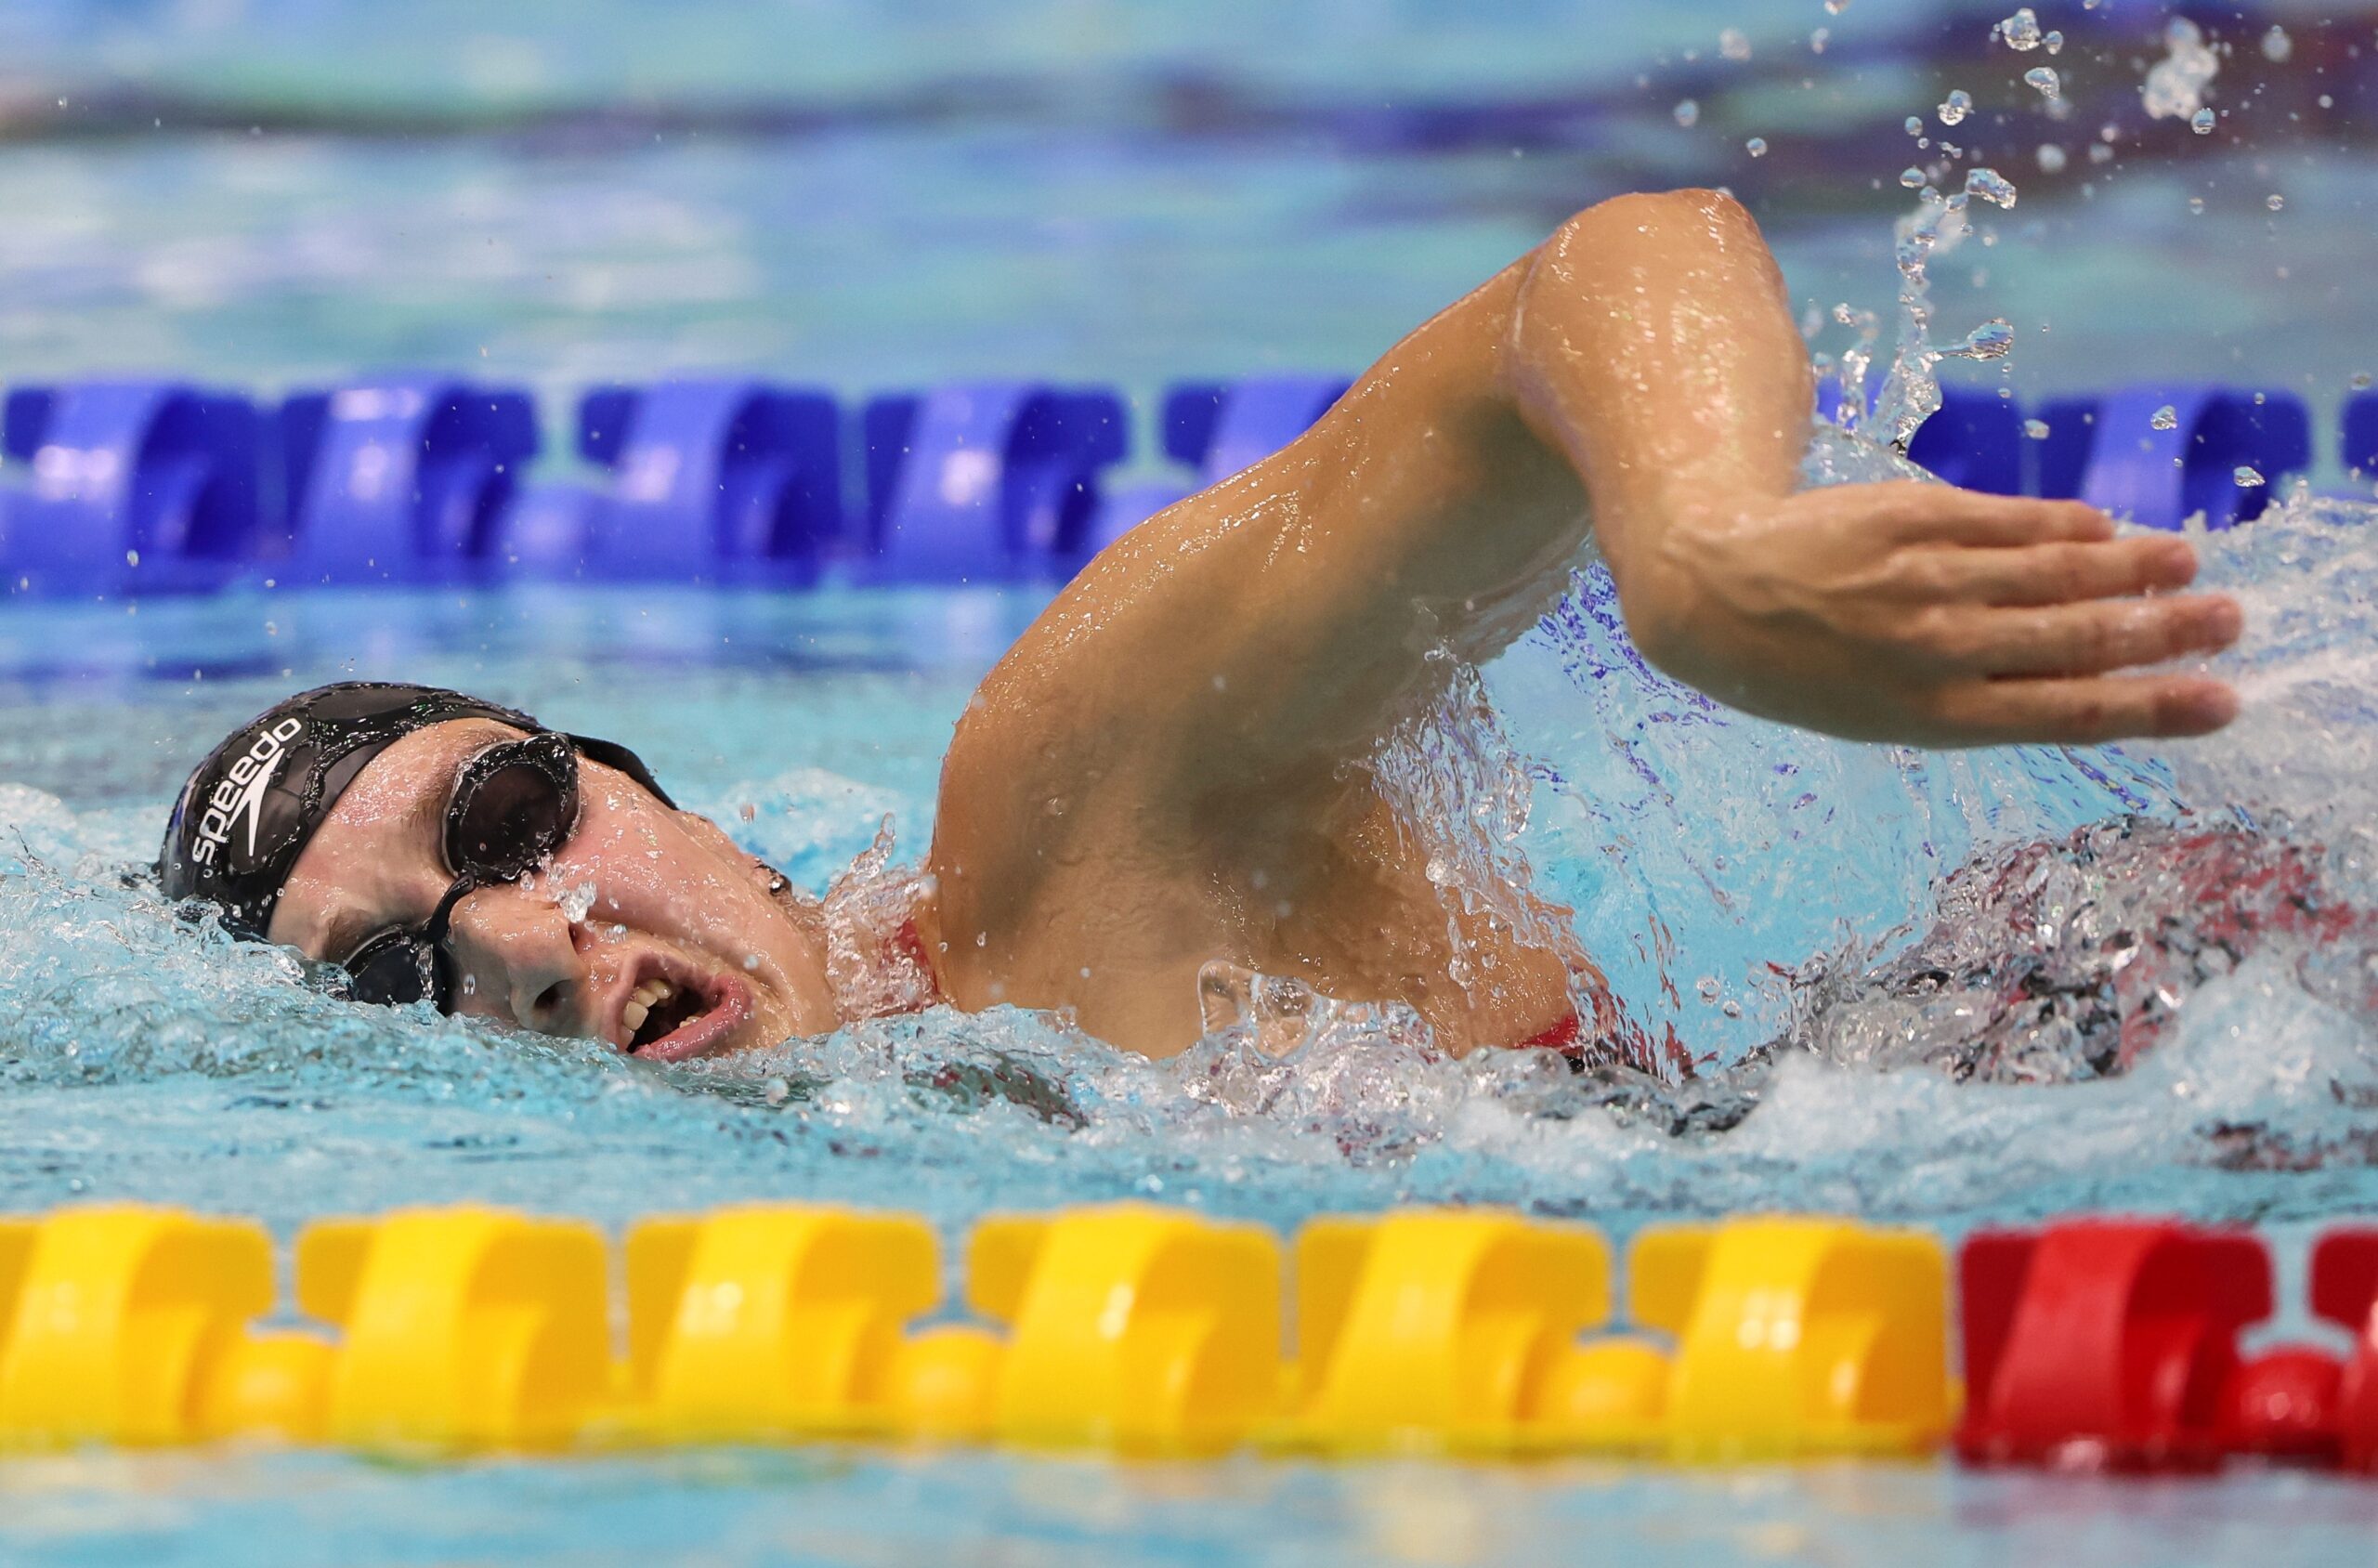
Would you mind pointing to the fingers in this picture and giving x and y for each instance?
(2089, 638)
(2056, 574)
(2084, 711)
(1945, 514)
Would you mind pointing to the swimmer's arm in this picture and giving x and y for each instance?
(1276, 625)
(1652, 343)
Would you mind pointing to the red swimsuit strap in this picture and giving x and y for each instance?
(906, 944)
(1563, 1036)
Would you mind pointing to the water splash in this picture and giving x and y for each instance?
(873, 960)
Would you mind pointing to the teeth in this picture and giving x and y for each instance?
(641, 1002)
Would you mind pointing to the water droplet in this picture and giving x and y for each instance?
(2361, 381)
(1757, 146)
(1955, 107)
(2278, 46)
(1687, 114)
(1915, 125)
(2196, 204)
(1991, 340)
(2274, 201)
(1733, 45)
(2247, 477)
(2165, 418)
(2045, 78)
(2036, 429)
(2051, 159)
(2055, 42)
(2174, 85)
(2020, 30)
(2202, 121)
(1910, 177)
(1991, 186)
(1834, 7)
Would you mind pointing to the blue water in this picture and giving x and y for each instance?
(1134, 193)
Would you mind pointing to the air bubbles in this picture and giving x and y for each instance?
(2055, 42)
(2036, 429)
(1955, 108)
(2361, 381)
(2278, 46)
(2195, 205)
(2248, 479)
(1687, 114)
(1834, 7)
(1733, 45)
(2202, 121)
(2045, 79)
(1915, 125)
(2020, 30)
(2165, 418)
(2051, 159)
(1755, 147)
(1910, 177)
(2274, 201)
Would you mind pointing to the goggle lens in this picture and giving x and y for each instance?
(514, 804)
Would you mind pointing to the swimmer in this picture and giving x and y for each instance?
(1168, 769)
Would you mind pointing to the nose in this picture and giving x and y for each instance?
(516, 959)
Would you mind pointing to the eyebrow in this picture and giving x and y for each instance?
(352, 923)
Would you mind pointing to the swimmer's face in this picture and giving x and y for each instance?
(680, 951)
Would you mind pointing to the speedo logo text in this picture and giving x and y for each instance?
(240, 793)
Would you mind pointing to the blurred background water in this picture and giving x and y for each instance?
(1910, 981)
(278, 191)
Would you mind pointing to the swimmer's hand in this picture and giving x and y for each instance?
(1926, 614)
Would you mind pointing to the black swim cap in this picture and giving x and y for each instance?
(248, 810)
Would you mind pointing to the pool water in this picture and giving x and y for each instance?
(1942, 988)
(143, 1061)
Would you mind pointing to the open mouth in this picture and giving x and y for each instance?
(673, 1019)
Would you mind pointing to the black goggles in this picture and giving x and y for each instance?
(514, 805)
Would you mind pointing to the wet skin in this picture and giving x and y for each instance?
(1168, 768)
(675, 900)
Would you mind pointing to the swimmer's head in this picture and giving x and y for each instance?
(447, 848)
